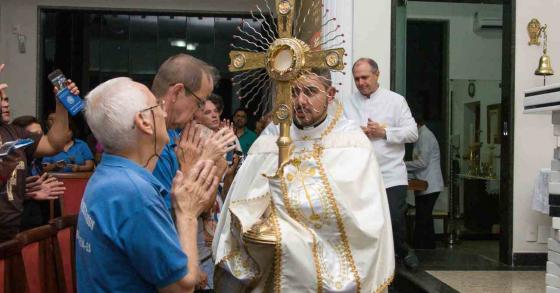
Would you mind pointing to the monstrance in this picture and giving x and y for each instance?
(285, 60)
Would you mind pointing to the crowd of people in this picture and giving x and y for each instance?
(181, 199)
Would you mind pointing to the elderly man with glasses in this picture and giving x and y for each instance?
(126, 240)
(184, 83)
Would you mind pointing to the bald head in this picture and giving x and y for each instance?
(182, 68)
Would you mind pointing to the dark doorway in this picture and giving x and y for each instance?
(426, 75)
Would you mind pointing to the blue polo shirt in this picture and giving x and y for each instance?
(167, 165)
(77, 154)
(126, 240)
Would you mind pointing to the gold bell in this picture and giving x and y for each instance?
(544, 66)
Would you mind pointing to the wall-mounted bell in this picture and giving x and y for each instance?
(545, 68)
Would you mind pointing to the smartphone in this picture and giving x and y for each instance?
(72, 103)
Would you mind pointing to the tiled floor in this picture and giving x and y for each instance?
(492, 281)
(467, 256)
(471, 266)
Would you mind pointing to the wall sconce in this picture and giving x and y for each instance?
(536, 31)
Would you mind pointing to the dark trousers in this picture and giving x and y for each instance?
(424, 235)
(396, 196)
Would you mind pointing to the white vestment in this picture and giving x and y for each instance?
(328, 208)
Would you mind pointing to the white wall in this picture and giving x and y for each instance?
(533, 140)
(471, 55)
(21, 69)
(372, 35)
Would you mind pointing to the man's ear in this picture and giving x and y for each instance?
(142, 124)
(174, 91)
(331, 92)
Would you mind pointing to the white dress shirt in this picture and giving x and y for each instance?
(390, 110)
(426, 163)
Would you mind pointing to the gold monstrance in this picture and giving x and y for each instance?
(285, 60)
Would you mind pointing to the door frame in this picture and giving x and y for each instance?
(507, 108)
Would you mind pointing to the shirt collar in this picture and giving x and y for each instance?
(122, 162)
(311, 132)
(372, 96)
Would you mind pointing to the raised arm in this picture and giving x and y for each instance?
(59, 134)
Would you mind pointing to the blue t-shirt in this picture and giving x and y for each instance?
(77, 154)
(168, 165)
(126, 240)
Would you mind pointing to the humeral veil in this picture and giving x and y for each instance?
(327, 209)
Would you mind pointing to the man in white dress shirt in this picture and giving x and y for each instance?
(425, 165)
(386, 120)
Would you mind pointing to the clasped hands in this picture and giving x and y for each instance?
(202, 162)
(374, 130)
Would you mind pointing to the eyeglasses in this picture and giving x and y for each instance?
(160, 103)
(199, 101)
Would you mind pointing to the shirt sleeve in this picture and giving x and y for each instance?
(29, 150)
(152, 245)
(421, 155)
(405, 130)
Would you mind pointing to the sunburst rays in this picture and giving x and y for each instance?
(254, 88)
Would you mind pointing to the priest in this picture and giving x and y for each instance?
(318, 223)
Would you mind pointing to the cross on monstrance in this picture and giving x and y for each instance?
(285, 60)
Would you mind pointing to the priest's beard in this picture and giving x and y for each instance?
(302, 124)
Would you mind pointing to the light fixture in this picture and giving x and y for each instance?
(191, 46)
(178, 43)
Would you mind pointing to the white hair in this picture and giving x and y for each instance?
(110, 110)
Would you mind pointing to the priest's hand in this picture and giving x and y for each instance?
(193, 193)
(217, 144)
(188, 148)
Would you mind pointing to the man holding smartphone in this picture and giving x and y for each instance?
(13, 167)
